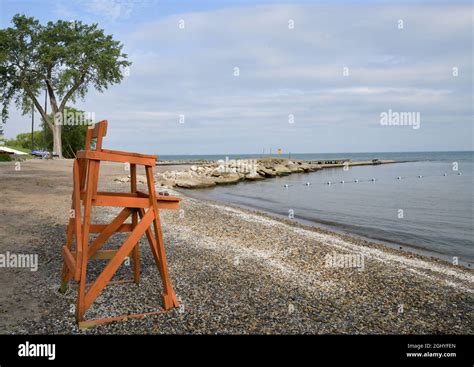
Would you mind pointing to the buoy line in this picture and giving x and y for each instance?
(373, 179)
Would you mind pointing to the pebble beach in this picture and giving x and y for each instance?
(235, 271)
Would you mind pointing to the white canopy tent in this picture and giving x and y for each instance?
(11, 151)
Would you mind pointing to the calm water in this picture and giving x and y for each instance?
(437, 209)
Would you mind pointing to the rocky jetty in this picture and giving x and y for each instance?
(229, 171)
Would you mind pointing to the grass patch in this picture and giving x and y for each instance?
(5, 158)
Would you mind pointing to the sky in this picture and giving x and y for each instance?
(216, 77)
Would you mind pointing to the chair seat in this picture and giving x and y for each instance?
(132, 200)
(117, 156)
(130, 154)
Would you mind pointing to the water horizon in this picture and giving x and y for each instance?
(420, 155)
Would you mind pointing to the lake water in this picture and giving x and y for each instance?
(432, 214)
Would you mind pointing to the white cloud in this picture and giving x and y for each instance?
(112, 9)
(63, 11)
(103, 10)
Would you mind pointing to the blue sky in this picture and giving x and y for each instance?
(299, 72)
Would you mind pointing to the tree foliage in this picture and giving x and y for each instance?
(65, 58)
(23, 141)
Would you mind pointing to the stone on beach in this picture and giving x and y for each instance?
(254, 176)
(229, 178)
(294, 168)
(193, 182)
(282, 170)
(266, 172)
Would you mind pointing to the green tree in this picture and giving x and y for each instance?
(23, 140)
(64, 58)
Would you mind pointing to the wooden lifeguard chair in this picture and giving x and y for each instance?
(135, 204)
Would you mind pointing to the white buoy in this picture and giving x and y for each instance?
(399, 178)
(342, 181)
(308, 183)
(286, 185)
(420, 176)
(356, 181)
(373, 180)
(329, 182)
(460, 174)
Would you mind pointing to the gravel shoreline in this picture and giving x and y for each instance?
(237, 271)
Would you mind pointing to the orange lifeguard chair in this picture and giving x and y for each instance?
(137, 204)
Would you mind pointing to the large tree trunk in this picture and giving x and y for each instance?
(57, 143)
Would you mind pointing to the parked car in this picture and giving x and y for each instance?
(40, 153)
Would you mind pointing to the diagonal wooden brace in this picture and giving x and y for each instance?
(118, 259)
(108, 231)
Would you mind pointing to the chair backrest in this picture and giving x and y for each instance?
(97, 131)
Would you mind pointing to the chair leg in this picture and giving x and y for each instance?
(91, 182)
(72, 229)
(136, 249)
(65, 273)
(136, 252)
(77, 217)
(152, 241)
(169, 297)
